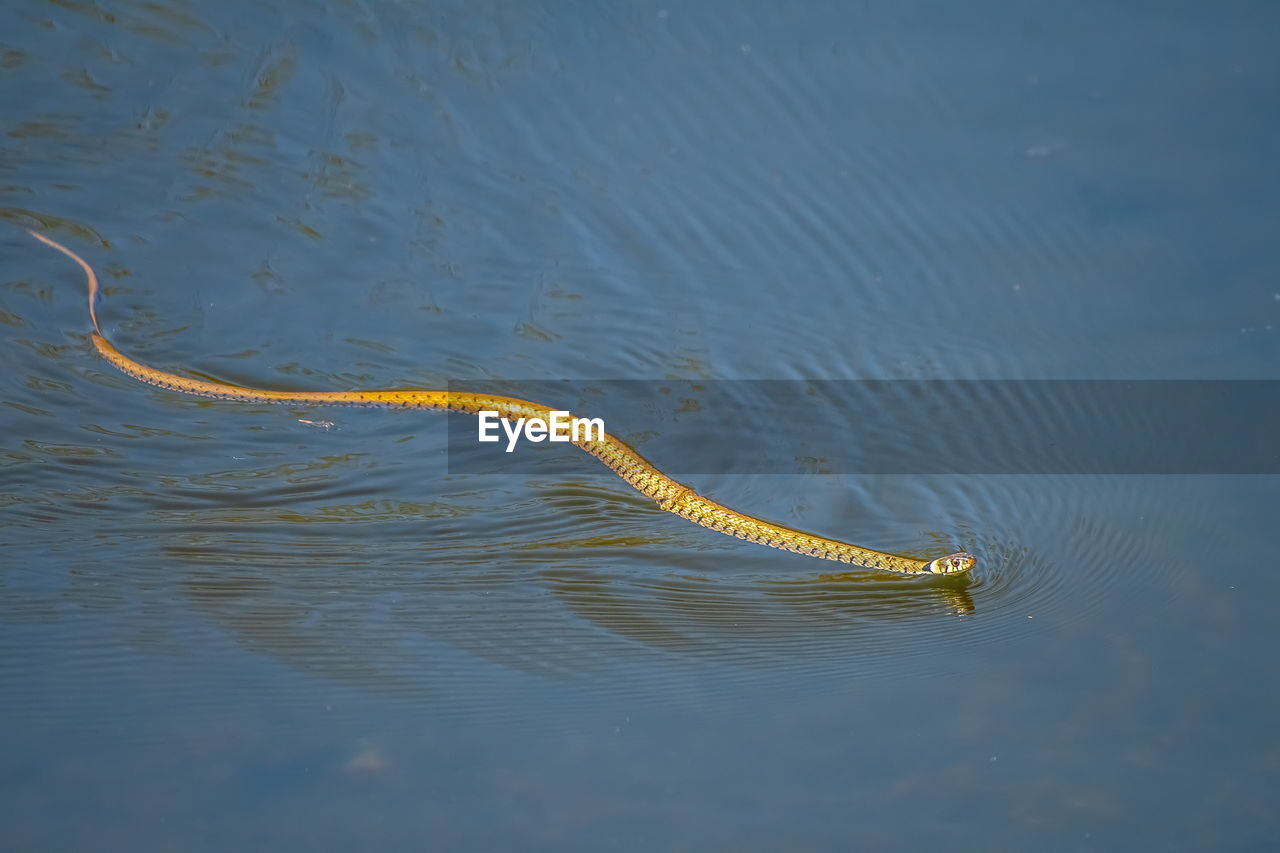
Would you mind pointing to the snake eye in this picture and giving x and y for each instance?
(953, 564)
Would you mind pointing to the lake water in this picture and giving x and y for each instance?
(238, 626)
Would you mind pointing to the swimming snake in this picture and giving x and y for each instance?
(612, 451)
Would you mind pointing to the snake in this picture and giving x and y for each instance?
(620, 457)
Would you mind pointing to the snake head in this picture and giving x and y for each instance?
(952, 564)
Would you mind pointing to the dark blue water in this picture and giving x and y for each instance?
(236, 626)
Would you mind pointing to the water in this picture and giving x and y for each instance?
(226, 625)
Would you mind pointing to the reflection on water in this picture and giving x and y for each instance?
(578, 580)
(573, 621)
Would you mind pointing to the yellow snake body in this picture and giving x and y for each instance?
(617, 454)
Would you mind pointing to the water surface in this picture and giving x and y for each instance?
(227, 626)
